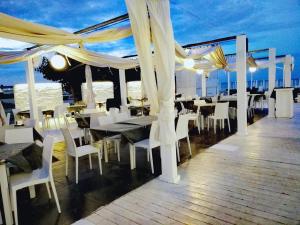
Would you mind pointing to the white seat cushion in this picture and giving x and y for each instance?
(22, 180)
(86, 149)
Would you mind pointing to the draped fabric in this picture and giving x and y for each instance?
(89, 83)
(81, 55)
(138, 15)
(17, 29)
(164, 58)
(217, 58)
(251, 62)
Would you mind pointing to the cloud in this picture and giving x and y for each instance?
(10, 45)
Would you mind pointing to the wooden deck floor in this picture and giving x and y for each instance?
(242, 180)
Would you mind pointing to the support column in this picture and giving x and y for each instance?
(91, 104)
(251, 80)
(34, 114)
(203, 85)
(272, 76)
(241, 69)
(287, 70)
(228, 82)
(122, 81)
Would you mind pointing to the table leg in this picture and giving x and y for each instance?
(32, 191)
(131, 154)
(5, 195)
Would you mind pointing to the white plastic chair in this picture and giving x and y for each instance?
(113, 111)
(19, 135)
(148, 144)
(116, 139)
(221, 113)
(15, 113)
(29, 122)
(195, 117)
(38, 176)
(182, 131)
(76, 132)
(78, 152)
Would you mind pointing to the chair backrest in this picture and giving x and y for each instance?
(199, 102)
(70, 144)
(119, 117)
(183, 109)
(182, 128)
(15, 112)
(48, 145)
(113, 111)
(19, 135)
(214, 99)
(221, 110)
(94, 119)
(105, 120)
(153, 142)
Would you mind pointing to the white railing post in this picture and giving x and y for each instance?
(241, 67)
(287, 71)
(203, 85)
(272, 77)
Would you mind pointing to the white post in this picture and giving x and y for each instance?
(203, 85)
(241, 69)
(228, 83)
(34, 114)
(287, 71)
(122, 81)
(251, 80)
(272, 76)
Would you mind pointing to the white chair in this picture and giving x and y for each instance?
(90, 111)
(195, 117)
(19, 135)
(221, 113)
(15, 113)
(148, 144)
(116, 139)
(182, 131)
(214, 98)
(78, 152)
(94, 119)
(38, 176)
(183, 109)
(124, 108)
(113, 111)
(76, 132)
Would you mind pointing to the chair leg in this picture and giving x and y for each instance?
(67, 162)
(189, 144)
(55, 194)
(151, 160)
(177, 148)
(48, 190)
(15, 206)
(228, 121)
(100, 163)
(105, 151)
(90, 161)
(118, 150)
(198, 124)
(80, 141)
(215, 125)
(148, 156)
(208, 121)
(76, 169)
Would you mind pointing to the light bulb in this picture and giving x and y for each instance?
(189, 63)
(252, 69)
(58, 62)
(200, 71)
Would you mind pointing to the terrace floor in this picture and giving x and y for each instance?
(241, 180)
(93, 191)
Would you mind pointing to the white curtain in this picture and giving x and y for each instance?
(81, 55)
(138, 14)
(164, 58)
(89, 83)
(21, 30)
